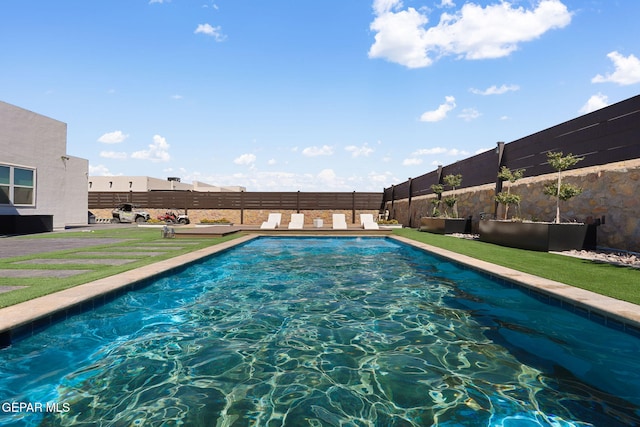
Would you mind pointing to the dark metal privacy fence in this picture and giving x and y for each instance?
(608, 135)
(238, 200)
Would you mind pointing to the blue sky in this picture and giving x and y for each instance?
(311, 96)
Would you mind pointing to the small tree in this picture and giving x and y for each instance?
(557, 189)
(435, 203)
(506, 198)
(452, 181)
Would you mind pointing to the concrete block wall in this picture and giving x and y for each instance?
(611, 191)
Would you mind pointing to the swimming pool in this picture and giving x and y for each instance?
(324, 332)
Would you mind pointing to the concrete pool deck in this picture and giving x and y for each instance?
(28, 317)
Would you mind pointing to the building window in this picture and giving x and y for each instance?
(17, 186)
(5, 180)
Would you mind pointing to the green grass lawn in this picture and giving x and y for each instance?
(35, 287)
(617, 282)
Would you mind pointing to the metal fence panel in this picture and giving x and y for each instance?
(608, 135)
(240, 200)
(421, 185)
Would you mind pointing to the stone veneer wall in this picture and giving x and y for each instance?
(253, 217)
(612, 191)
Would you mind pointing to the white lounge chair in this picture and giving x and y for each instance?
(368, 223)
(273, 221)
(339, 222)
(297, 221)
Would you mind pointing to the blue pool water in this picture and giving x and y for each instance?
(323, 332)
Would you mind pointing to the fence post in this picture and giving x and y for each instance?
(500, 153)
(353, 207)
(393, 201)
(410, 194)
(298, 202)
(242, 193)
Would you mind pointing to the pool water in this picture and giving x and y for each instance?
(324, 332)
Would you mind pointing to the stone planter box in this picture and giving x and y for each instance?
(445, 225)
(535, 236)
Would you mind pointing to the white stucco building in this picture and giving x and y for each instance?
(42, 188)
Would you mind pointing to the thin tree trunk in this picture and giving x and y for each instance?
(558, 199)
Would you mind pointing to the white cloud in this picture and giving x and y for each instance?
(627, 70)
(114, 137)
(381, 7)
(495, 90)
(412, 161)
(594, 103)
(439, 150)
(209, 30)
(158, 151)
(383, 179)
(99, 170)
(327, 175)
(469, 114)
(416, 156)
(272, 162)
(456, 152)
(441, 112)
(429, 151)
(325, 150)
(473, 32)
(245, 159)
(323, 180)
(355, 151)
(119, 155)
(447, 3)
(400, 36)
(159, 1)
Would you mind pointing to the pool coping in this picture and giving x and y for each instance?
(30, 316)
(600, 308)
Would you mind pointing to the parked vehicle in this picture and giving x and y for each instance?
(170, 217)
(127, 212)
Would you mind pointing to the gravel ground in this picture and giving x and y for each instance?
(628, 259)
